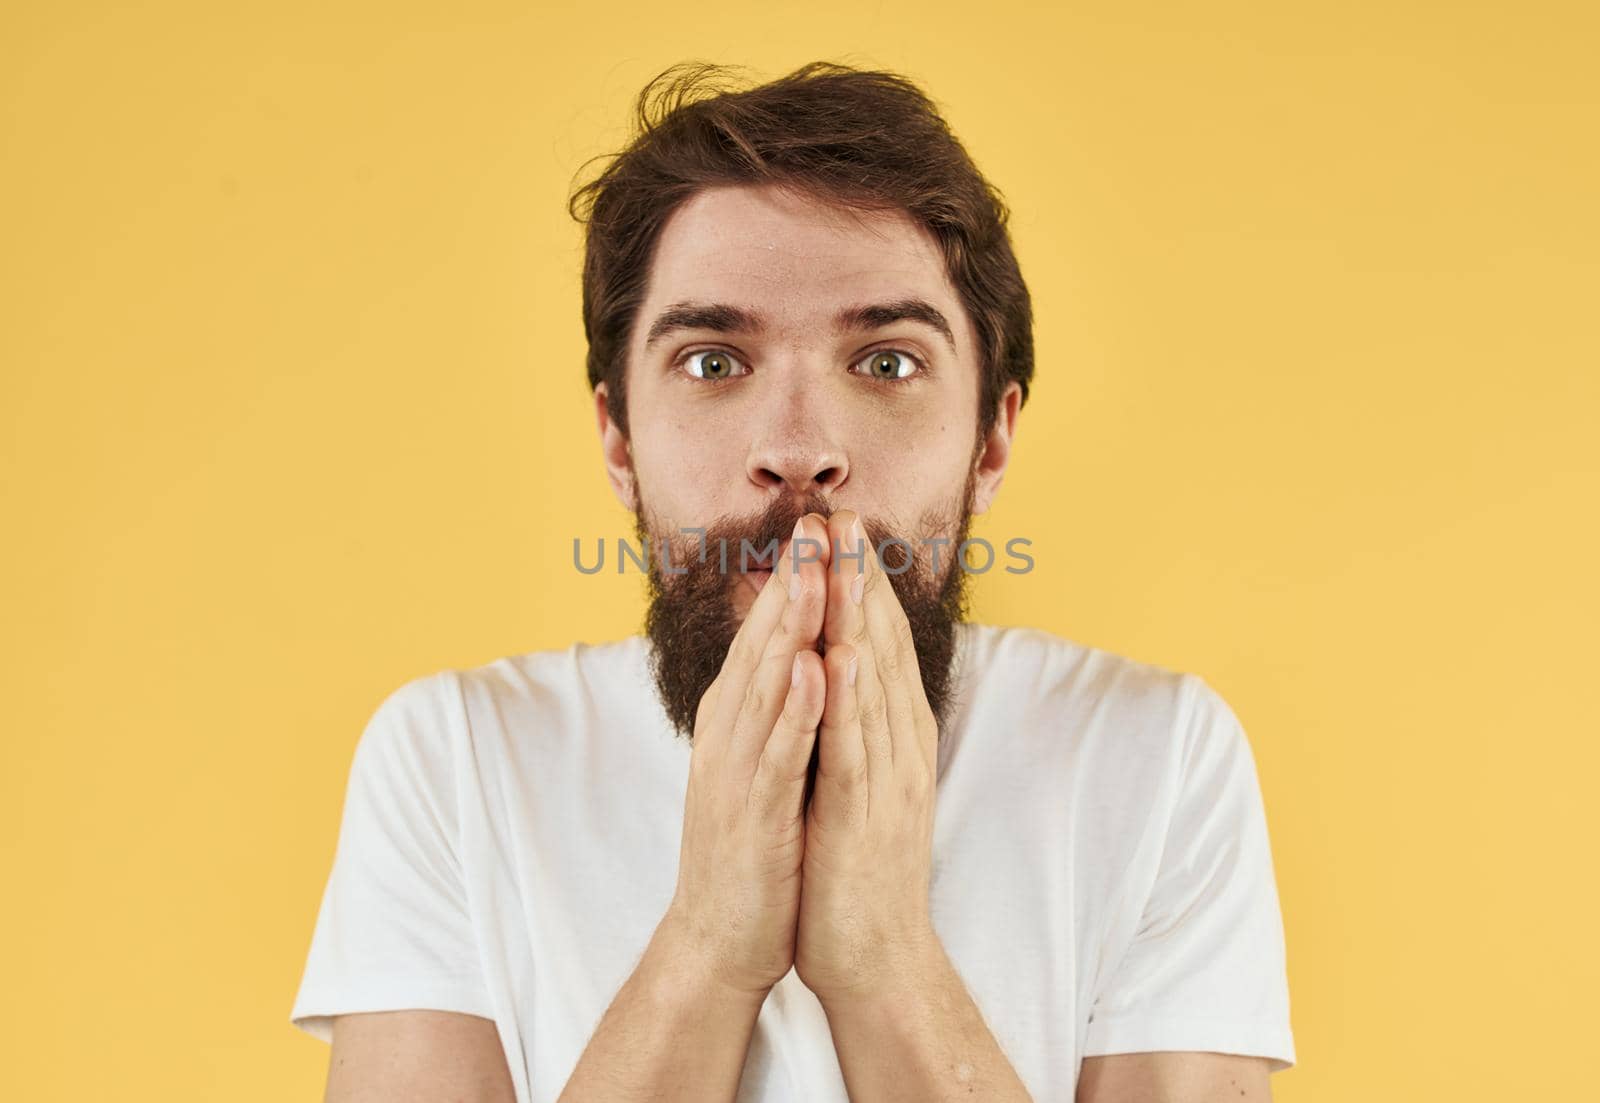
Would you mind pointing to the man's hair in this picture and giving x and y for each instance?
(864, 139)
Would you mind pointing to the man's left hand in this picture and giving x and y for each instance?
(864, 926)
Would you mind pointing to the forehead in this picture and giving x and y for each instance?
(795, 258)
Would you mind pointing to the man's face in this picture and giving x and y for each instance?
(791, 355)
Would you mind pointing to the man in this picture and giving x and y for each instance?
(813, 836)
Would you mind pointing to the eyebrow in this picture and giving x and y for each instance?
(721, 318)
(713, 316)
(878, 315)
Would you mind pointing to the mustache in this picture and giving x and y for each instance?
(750, 541)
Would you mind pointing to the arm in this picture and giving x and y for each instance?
(672, 1032)
(926, 1041)
(680, 1025)
(1195, 1006)
(929, 1042)
(417, 1057)
(903, 1024)
(1174, 1077)
(669, 1026)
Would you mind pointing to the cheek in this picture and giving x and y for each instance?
(917, 471)
(684, 471)
(912, 454)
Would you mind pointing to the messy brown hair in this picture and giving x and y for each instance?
(865, 139)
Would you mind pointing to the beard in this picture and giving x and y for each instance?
(691, 620)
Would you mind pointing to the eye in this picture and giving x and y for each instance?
(713, 364)
(889, 365)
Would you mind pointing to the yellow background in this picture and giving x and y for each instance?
(294, 411)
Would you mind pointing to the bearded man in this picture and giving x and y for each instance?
(813, 836)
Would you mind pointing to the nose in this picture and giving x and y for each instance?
(799, 456)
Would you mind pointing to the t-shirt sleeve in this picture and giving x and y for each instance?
(1205, 970)
(393, 931)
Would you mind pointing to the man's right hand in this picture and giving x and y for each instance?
(737, 901)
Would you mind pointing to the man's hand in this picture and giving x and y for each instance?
(736, 905)
(864, 923)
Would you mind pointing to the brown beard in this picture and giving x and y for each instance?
(691, 621)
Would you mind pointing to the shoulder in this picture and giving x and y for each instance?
(1066, 687)
(556, 675)
(411, 724)
(483, 721)
(1133, 725)
(431, 708)
(561, 693)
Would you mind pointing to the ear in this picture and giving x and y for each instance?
(615, 448)
(994, 452)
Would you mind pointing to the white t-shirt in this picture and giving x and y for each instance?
(1101, 876)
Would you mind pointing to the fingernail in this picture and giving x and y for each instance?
(794, 674)
(856, 585)
(849, 671)
(857, 537)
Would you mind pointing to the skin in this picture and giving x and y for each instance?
(837, 888)
(803, 411)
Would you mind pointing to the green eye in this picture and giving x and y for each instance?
(889, 364)
(713, 365)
